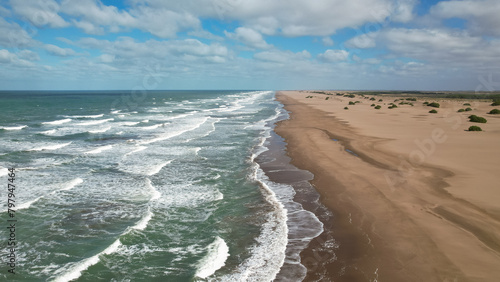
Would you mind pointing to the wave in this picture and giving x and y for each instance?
(218, 252)
(155, 169)
(116, 112)
(99, 150)
(49, 132)
(138, 149)
(13, 127)
(152, 126)
(143, 222)
(155, 194)
(70, 185)
(50, 147)
(76, 271)
(268, 255)
(65, 187)
(3, 171)
(96, 122)
(173, 134)
(56, 122)
(90, 116)
(100, 130)
(130, 123)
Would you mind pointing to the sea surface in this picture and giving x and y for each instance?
(147, 186)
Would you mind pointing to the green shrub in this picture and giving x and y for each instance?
(426, 103)
(433, 111)
(461, 110)
(411, 99)
(352, 103)
(380, 100)
(378, 107)
(494, 112)
(393, 106)
(357, 102)
(346, 108)
(372, 99)
(467, 104)
(474, 118)
(468, 109)
(475, 128)
(433, 104)
(372, 105)
(496, 103)
(327, 98)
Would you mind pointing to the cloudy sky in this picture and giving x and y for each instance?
(250, 44)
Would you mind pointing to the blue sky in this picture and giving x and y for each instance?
(250, 44)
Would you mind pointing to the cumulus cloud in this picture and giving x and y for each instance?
(440, 47)
(39, 12)
(58, 51)
(277, 56)
(482, 15)
(13, 60)
(327, 41)
(249, 37)
(293, 17)
(128, 48)
(362, 41)
(333, 56)
(13, 36)
(94, 17)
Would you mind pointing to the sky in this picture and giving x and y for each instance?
(250, 44)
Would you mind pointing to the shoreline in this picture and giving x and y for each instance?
(389, 223)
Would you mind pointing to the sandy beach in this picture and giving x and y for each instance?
(414, 196)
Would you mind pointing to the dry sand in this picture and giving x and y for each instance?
(418, 199)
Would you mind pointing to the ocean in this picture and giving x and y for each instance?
(148, 186)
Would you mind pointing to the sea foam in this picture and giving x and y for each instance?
(218, 252)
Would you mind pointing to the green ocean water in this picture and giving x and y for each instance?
(156, 186)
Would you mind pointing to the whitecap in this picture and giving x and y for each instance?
(100, 130)
(216, 257)
(155, 194)
(13, 127)
(77, 269)
(56, 122)
(96, 121)
(99, 150)
(50, 147)
(155, 169)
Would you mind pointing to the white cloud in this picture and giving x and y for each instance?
(58, 51)
(293, 17)
(39, 12)
(482, 15)
(249, 37)
(439, 47)
(28, 55)
(94, 17)
(403, 11)
(277, 56)
(333, 56)
(327, 41)
(12, 59)
(363, 41)
(13, 36)
(128, 48)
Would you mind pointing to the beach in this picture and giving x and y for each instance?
(414, 195)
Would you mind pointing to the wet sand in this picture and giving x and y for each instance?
(414, 196)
